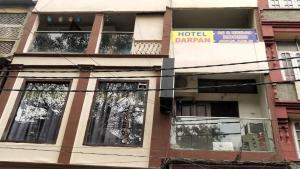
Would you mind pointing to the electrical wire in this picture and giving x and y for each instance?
(159, 69)
(162, 89)
(198, 88)
(153, 76)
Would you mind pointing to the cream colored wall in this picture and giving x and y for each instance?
(148, 27)
(114, 156)
(87, 60)
(100, 5)
(213, 4)
(192, 54)
(25, 152)
(4, 9)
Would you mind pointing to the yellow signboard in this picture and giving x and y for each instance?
(193, 36)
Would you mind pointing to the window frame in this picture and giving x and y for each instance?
(295, 137)
(296, 71)
(93, 103)
(19, 98)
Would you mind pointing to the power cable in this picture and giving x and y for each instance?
(137, 90)
(153, 76)
(160, 69)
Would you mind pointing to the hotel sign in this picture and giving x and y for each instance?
(193, 36)
(215, 36)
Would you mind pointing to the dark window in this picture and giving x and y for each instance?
(207, 109)
(117, 115)
(226, 86)
(39, 113)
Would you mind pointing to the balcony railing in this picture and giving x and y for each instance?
(146, 47)
(284, 3)
(221, 134)
(116, 43)
(60, 42)
(123, 43)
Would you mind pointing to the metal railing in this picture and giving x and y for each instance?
(116, 43)
(60, 41)
(221, 134)
(284, 3)
(146, 47)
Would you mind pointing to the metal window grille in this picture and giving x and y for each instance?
(275, 3)
(12, 19)
(288, 3)
(10, 25)
(284, 3)
(6, 47)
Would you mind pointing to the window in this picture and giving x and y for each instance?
(297, 136)
(289, 52)
(284, 3)
(10, 28)
(207, 109)
(39, 113)
(237, 87)
(117, 114)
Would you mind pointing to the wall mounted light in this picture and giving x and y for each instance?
(60, 19)
(49, 19)
(70, 19)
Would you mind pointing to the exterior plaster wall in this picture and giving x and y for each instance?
(250, 105)
(192, 54)
(286, 92)
(148, 27)
(44, 153)
(13, 10)
(118, 156)
(214, 4)
(281, 15)
(100, 5)
(56, 61)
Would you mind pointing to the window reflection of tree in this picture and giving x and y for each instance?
(38, 116)
(117, 115)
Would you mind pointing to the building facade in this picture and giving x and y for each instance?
(280, 27)
(150, 84)
(13, 17)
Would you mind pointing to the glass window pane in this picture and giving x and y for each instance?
(39, 113)
(117, 115)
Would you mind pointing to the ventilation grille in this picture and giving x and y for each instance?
(147, 47)
(12, 19)
(9, 32)
(6, 47)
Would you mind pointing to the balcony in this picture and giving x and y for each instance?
(221, 134)
(232, 39)
(284, 3)
(60, 42)
(116, 43)
(123, 43)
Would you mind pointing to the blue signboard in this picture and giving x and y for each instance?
(235, 36)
